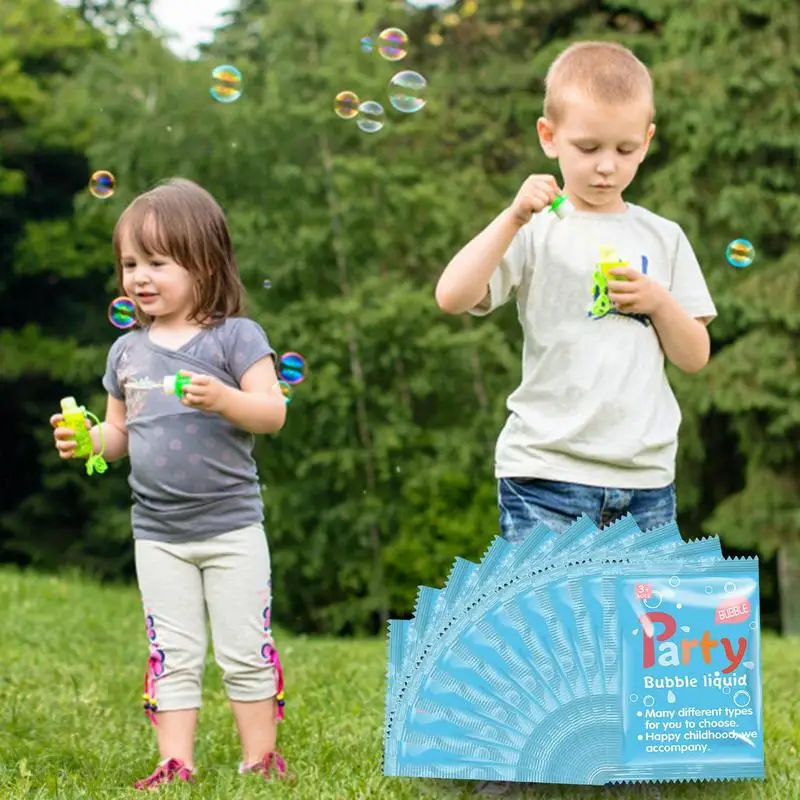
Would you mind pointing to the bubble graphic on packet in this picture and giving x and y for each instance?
(346, 105)
(227, 87)
(407, 90)
(292, 368)
(393, 44)
(371, 116)
(740, 253)
(102, 184)
(122, 313)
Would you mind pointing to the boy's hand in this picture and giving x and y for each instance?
(64, 437)
(536, 193)
(638, 295)
(204, 392)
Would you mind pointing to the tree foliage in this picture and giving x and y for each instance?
(383, 472)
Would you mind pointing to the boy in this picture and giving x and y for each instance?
(603, 295)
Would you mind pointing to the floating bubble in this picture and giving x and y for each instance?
(102, 184)
(370, 116)
(267, 284)
(740, 253)
(393, 44)
(285, 390)
(122, 313)
(292, 368)
(407, 91)
(366, 44)
(346, 105)
(227, 86)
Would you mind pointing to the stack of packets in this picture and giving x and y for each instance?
(592, 657)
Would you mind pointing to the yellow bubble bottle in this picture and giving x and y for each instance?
(75, 418)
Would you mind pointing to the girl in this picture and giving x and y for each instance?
(197, 513)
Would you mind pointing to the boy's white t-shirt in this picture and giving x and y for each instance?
(594, 405)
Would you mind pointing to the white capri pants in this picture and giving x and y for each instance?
(229, 576)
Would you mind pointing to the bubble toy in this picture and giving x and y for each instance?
(227, 86)
(102, 184)
(740, 253)
(74, 418)
(175, 384)
(561, 206)
(292, 368)
(122, 313)
(407, 90)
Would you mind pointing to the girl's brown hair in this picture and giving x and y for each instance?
(181, 220)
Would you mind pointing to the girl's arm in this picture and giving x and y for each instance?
(115, 432)
(259, 407)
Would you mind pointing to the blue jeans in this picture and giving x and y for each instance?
(524, 502)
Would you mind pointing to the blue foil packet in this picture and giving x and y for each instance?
(690, 667)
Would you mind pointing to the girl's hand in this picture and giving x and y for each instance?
(638, 295)
(204, 392)
(64, 437)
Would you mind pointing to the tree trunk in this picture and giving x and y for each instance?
(789, 588)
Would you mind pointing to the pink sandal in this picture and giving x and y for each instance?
(271, 766)
(170, 771)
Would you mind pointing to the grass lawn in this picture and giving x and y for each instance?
(71, 725)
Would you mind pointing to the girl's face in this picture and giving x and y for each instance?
(158, 285)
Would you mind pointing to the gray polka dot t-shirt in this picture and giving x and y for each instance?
(192, 472)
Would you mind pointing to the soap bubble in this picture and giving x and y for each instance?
(122, 313)
(227, 86)
(371, 116)
(285, 390)
(292, 368)
(102, 184)
(393, 44)
(740, 253)
(346, 105)
(267, 284)
(407, 90)
(366, 44)
(741, 698)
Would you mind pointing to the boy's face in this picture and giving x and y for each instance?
(599, 148)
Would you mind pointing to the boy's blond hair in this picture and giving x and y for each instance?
(604, 71)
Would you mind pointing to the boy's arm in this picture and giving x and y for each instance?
(684, 339)
(463, 284)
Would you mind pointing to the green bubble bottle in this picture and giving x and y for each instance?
(75, 417)
(175, 384)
